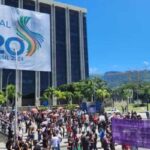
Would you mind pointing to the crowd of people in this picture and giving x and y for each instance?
(46, 130)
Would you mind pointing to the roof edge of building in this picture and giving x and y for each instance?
(59, 4)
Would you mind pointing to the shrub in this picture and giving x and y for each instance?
(71, 106)
(139, 105)
(42, 108)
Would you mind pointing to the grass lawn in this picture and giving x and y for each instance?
(118, 105)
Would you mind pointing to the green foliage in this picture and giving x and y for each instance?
(77, 90)
(10, 89)
(139, 105)
(44, 98)
(71, 106)
(2, 98)
(102, 94)
(127, 93)
(60, 95)
(49, 92)
(91, 85)
(42, 108)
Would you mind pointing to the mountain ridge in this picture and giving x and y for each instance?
(117, 78)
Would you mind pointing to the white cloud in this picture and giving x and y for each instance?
(115, 66)
(146, 63)
(94, 70)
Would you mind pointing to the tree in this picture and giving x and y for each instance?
(145, 92)
(78, 91)
(90, 87)
(102, 94)
(2, 98)
(10, 94)
(48, 95)
(127, 94)
(68, 96)
(60, 95)
(72, 91)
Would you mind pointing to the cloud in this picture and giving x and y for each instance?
(94, 70)
(146, 63)
(115, 66)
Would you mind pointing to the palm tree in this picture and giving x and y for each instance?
(69, 96)
(78, 95)
(145, 91)
(90, 87)
(10, 94)
(60, 95)
(2, 98)
(102, 94)
(127, 94)
(48, 94)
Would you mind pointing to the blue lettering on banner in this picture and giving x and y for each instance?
(4, 23)
(7, 44)
(12, 52)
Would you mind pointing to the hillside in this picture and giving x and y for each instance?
(115, 78)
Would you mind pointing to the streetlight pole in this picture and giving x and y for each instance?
(16, 98)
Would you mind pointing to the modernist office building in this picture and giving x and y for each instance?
(69, 54)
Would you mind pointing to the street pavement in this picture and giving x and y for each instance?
(3, 140)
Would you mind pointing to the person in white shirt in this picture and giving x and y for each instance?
(55, 142)
(102, 118)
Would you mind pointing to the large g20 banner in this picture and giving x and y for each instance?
(25, 37)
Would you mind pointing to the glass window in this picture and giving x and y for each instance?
(85, 47)
(28, 77)
(61, 46)
(45, 81)
(13, 3)
(9, 77)
(28, 4)
(44, 8)
(75, 45)
(28, 88)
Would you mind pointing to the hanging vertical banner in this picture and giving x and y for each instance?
(25, 36)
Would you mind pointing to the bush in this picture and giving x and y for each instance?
(42, 108)
(139, 105)
(71, 106)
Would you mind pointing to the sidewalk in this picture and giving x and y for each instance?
(63, 145)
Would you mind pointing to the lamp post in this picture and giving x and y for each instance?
(15, 49)
(6, 89)
(16, 98)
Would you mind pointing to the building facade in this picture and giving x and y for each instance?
(69, 51)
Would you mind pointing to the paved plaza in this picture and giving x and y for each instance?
(3, 140)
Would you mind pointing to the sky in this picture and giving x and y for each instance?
(118, 34)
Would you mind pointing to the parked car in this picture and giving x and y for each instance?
(111, 111)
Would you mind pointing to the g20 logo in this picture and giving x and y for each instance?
(8, 44)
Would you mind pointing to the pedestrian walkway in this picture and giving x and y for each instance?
(63, 145)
